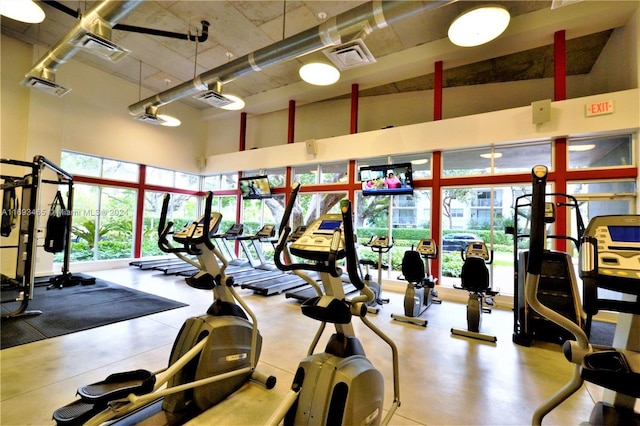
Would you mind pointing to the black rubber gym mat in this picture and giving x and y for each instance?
(77, 308)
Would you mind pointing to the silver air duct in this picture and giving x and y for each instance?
(100, 19)
(364, 18)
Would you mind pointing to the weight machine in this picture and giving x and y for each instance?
(24, 216)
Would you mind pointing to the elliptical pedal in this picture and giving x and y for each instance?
(117, 386)
(77, 412)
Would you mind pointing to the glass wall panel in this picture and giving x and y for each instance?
(102, 223)
(306, 175)
(473, 162)
(334, 173)
(229, 181)
(183, 209)
(480, 214)
(187, 181)
(521, 158)
(119, 170)
(211, 183)
(80, 164)
(600, 152)
(84, 222)
(116, 223)
(160, 177)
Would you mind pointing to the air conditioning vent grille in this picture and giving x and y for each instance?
(150, 119)
(45, 86)
(100, 46)
(213, 98)
(350, 55)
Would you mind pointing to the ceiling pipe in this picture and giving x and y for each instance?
(107, 13)
(364, 18)
(204, 34)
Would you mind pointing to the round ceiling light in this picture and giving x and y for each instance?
(479, 25)
(169, 121)
(22, 10)
(319, 74)
(236, 105)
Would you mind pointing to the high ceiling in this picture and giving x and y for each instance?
(405, 51)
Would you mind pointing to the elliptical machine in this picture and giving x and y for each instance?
(212, 357)
(420, 292)
(339, 385)
(379, 244)
(609, 259)
(476, 280)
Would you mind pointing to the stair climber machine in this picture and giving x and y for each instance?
(379, 244)
(476, 279)
(557, 286)
(212, 357)
(339, 385)
(420, 292)
(609, 260)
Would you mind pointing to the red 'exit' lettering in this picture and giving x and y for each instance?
(598, 108)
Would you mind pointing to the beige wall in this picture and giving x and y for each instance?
(92, 118)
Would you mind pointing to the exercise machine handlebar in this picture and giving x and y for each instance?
(333, 254)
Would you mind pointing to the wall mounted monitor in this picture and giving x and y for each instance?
(387, 179)
(254, 187)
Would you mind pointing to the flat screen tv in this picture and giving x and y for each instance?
(387, 179)
(254, 187)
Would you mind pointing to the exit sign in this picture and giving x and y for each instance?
(599, 108)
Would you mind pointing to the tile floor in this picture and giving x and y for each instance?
(445, 380)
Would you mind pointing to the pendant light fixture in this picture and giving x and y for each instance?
(22, 10)
(479, 25)
(319, 73)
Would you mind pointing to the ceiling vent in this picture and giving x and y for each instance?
(45, 85)
(350, 55)
(150, 119)
(100, 46)
(150, 116)
(213, 98)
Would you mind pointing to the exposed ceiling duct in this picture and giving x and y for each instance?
(91, 32)
(348, 25)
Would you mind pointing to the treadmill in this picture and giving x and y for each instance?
(267, 278)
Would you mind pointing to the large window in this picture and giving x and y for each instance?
(87, 165)
(102, 223)
(479, 214)
(600, 152)
(496, 159)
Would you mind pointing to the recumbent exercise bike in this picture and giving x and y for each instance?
(420, 292)
(475, 279)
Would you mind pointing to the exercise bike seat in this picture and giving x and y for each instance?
(413, 267)
(117, 386)
(475, 275)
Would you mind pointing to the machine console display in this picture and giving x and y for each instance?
(427, 247)
(618, 245)
(193, 233)
(477, 249)
(380, 241)
(315, 242)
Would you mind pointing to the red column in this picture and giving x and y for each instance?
(292, 121)
(137, 242)
(559, 66)
(436, 203)
(354, 109)
(437, 92)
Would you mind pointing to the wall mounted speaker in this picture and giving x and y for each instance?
(312, 147)
(541, 111)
